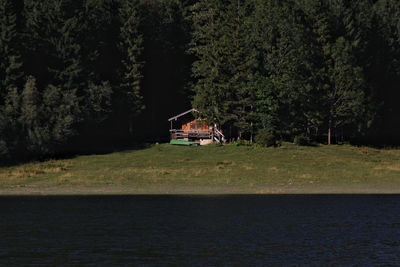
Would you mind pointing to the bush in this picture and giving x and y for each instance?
(266, 139)
(242, 142)
(301, 140)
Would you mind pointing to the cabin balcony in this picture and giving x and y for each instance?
(190, 135)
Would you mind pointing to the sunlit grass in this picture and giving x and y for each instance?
(288, 165)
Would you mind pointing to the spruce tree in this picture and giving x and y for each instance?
(52, 29)
(383, 69)
(11, 134)
(132, 59)
(10, 54)
(31, 119)
(339, 79)
(226, 62)
(11, 74)
(345, 94)
(68, 76)
(287, 100)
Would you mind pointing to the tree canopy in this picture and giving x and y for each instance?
(81, 75)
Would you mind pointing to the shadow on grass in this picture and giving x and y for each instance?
(72, 152)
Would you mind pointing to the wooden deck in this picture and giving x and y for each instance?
(193, 135)
(190, 135)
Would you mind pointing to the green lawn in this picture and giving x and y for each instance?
(213, 169)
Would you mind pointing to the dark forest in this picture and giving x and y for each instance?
(84, 75)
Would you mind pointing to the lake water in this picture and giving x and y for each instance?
(201, 230)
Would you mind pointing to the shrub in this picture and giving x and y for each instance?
(266, 139)
(242, 142)
(301, 140)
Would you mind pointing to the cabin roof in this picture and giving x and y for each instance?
(182, 114)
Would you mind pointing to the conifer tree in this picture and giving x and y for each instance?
(225, 64)
(289, 70)
(58, 116)
(99, 35)
(71, 68)
(166, 79)
(339, 78)
(54, 60)
(263, 35)
(53, 28)
(10, 76)
(345, 94)
(383, 68)
(287, 99)
(10, 64)
(30, 119)
(74, 91)
(132, 48)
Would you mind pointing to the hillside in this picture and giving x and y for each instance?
(212, 169)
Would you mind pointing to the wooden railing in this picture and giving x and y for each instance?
(215, 135)
(180, 134)
(220, 135)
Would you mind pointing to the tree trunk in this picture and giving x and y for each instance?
(130, 127)
(336, 136)
(329, 132)
(251, 133)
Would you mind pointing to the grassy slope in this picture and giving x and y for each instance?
(213, 169)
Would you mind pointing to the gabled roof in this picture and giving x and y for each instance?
(182, 114)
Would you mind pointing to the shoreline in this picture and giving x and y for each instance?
(81, 190)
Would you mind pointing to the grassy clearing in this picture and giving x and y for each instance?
(214, 169)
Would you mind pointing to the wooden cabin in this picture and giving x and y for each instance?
(196, 125)
(186, 130)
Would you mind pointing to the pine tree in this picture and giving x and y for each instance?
(285, 94)
(99, 35)
(52, 28)
(11, 129)
(166, 89)
(345, 96)
(339, 79)
(226, 62)
(30, 119)
(132, 49)
(263, 23)
(58, 116)
(68, 77)
(383, 69)
(10, 76)
(10, 64)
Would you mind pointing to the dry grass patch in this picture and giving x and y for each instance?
(33, 170)
(388, 166)
(369, 150)
(273, 169)
(248, 168)
(200, 172)
(304, 176)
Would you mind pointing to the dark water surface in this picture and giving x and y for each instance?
(201, 230)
